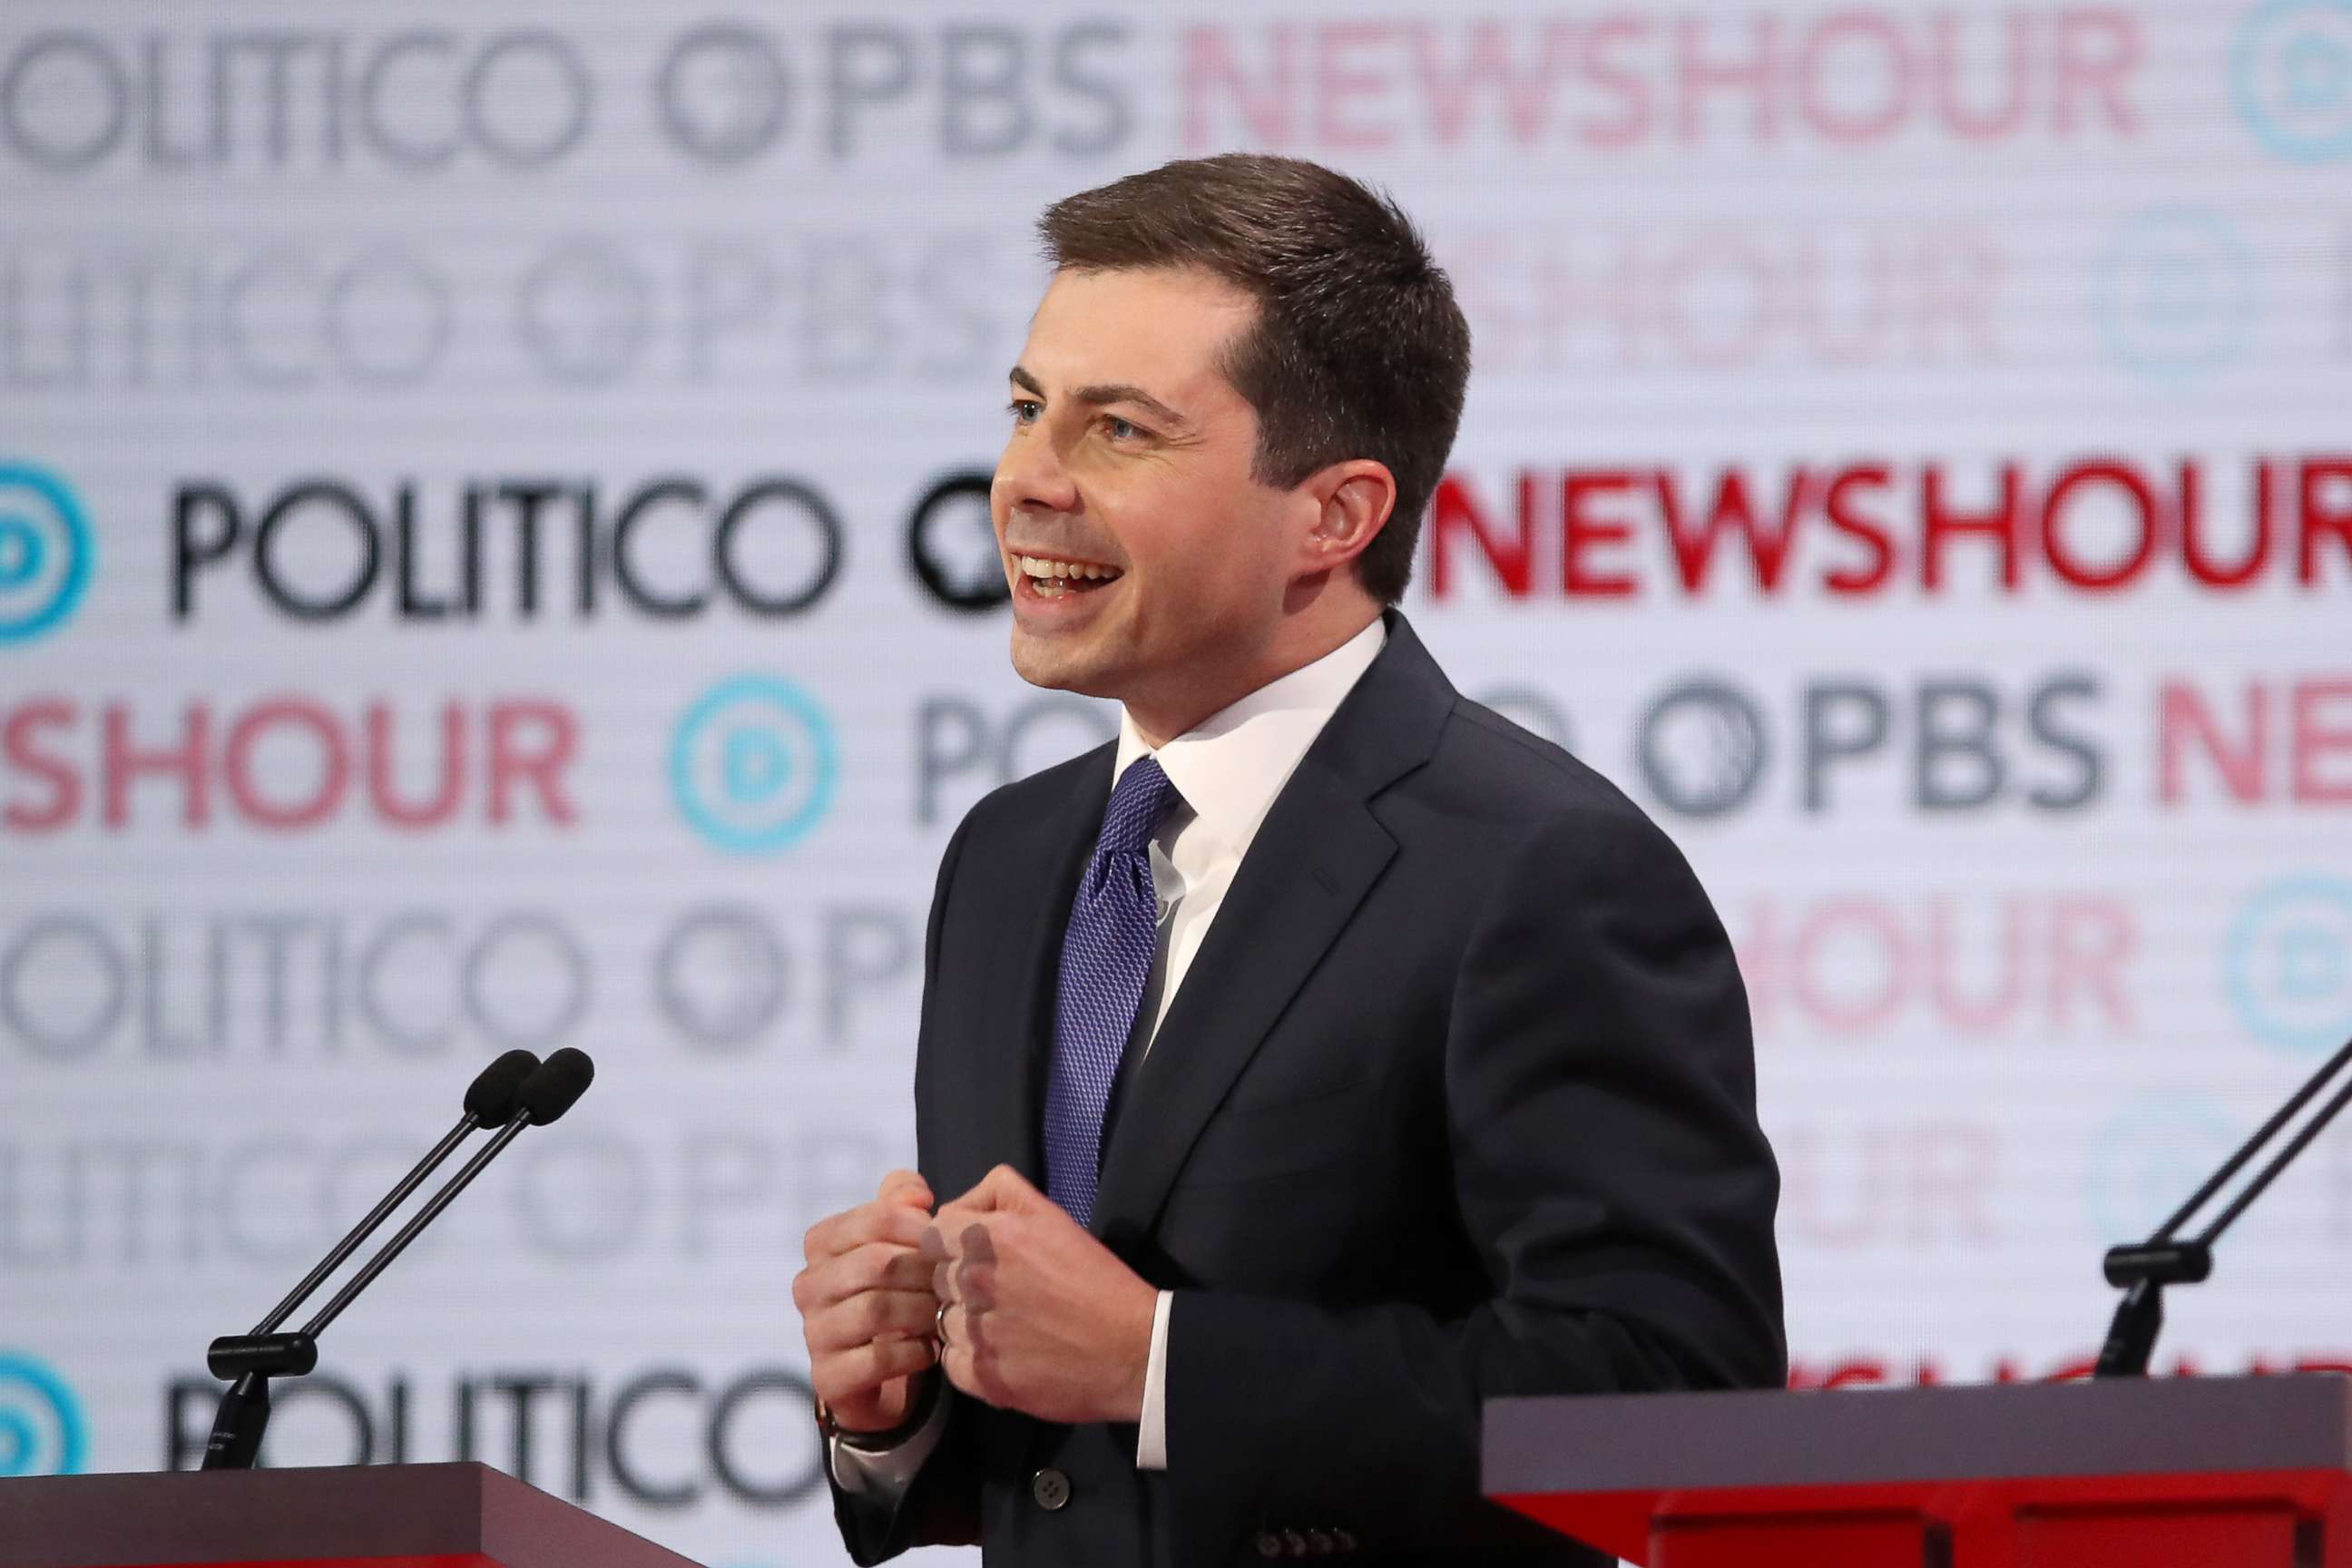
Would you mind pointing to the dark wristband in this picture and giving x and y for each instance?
(926, 1399)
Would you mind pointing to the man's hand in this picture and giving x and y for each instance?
(866, 1305)
(1043, 1318)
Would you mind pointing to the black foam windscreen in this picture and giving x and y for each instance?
(492, 1096)
(561, 1080)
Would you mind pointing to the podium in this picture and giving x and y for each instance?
(378, 1516)
(2241, 1472)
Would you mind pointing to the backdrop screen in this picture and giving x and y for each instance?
(493, 552)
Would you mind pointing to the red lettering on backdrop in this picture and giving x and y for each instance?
(1852, 78)
(1911, 1183)
(1872, 534)
(2148, 524)
(529, 750)
(1264, 105)
(1582, 532)
(289, 714)
(1947, 56)
(1488, 69)
(19, 749)
(2203, 566)
(124, 762)
(1455, 509)
(2315, 520)
(532, 743)
(1828, 59)
(1940, 522)
(1752, 71)
(2314, 721)
(382, 770)
(1900, 523)
(2322, 731)
(2183, 718)
(1864, 1370)
(1623, 83)
(1344, 73)
(2092, 943)
(1852, 966)
(1723, 251)
(1731, 512)
(2097, 51)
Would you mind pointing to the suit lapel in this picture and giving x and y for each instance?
(1315, 858)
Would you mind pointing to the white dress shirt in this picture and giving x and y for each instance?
(1227, 769)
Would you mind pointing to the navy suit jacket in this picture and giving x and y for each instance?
(1456, 1101)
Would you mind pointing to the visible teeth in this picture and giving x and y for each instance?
(1039, 569)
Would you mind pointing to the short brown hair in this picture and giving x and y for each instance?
(1358, 350)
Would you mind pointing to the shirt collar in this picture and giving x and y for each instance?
(1231, 766)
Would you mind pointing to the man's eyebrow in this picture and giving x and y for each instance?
(1102, 393)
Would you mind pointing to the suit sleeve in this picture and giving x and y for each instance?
(939, 1506)
(1608, 1170)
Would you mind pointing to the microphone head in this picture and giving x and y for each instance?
(491, 1100)
(561, 1079)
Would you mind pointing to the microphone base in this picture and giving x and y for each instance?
(2131, 1337)
(243, 1417)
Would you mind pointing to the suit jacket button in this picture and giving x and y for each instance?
(1269, 1544)
(1050, 1489)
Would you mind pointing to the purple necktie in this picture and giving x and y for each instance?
(1106, 959)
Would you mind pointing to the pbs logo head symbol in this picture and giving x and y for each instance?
(47, 552)
(41, 1429)
(754, 764)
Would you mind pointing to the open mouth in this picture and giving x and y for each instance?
(1051, 577)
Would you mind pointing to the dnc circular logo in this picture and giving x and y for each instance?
(2288, 963)
(754, 764)
(2291, 72)
(2176, 293)
(41, 1431)
(45, 551)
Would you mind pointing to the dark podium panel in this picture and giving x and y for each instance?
(381, 1516)
(2242, 1472)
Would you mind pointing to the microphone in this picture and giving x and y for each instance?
(516, 1092)
(2142, 1269)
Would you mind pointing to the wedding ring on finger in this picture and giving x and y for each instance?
(939, 1325)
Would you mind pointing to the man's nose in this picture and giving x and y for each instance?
(1030, 477)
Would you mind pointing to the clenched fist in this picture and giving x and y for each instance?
(866, 1306)
(1042, 1318)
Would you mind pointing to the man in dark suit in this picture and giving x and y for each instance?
(1328, 1055)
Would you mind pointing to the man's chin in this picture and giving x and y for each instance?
(1060, 662)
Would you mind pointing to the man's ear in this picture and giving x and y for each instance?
(1353, 500)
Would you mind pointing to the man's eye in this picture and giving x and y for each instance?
(1122, 429)
(1024, 410)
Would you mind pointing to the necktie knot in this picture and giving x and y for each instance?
(1138, 801)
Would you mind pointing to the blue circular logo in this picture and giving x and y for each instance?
(754, 764)
(2291, 73)
(45, 552)
(2287, 963)
(2146, 1160)
(2176, 293)
(41, 1431)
